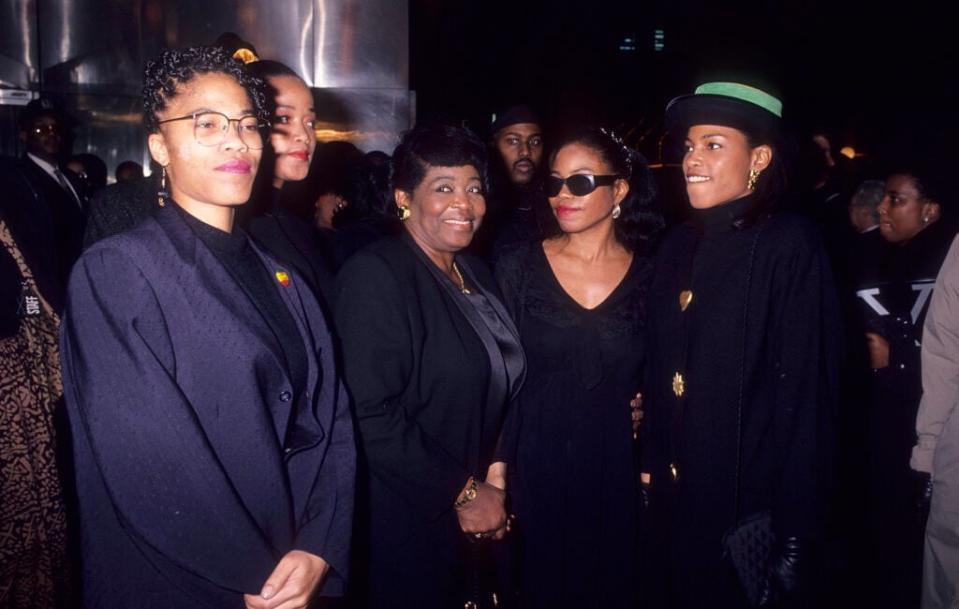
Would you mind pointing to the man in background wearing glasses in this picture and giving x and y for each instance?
(41, 207)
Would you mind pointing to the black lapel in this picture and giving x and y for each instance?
(310, 425)
(498, 387)
(216, 287)
(492, 295)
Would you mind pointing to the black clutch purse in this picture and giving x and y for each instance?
(748, 546)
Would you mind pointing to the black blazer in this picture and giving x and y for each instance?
(173, 380)
(297, 244)
(419, 376)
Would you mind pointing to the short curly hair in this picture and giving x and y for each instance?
(164, 75)
(436, 145)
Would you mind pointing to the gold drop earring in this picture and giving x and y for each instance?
(162, 194)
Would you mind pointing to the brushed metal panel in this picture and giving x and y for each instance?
(90, 45)
(279, 29)
(18, 44)
(371, 119)
(104, 44)
(362, 43)
(332, 43)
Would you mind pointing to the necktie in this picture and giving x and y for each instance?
(65, 185)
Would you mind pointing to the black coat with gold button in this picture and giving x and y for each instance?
(757, 338)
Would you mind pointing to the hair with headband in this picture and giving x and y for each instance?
(638, 223)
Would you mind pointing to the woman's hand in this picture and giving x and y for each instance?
(496, 475)
(484, 516)
(636, 406)
(878, 350)
(292, 583)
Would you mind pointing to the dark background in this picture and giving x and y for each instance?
(876, 76)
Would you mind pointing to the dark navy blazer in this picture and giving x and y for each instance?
(173, 380)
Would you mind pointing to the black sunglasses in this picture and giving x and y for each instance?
(580, 184)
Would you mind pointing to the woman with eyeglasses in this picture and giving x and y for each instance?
(740, 393)
(212, 441)
(578, 299)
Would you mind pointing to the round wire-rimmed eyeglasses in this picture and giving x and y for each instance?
(210, 128)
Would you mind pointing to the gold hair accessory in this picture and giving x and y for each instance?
(685, 297)
(753, 178)
(245, 55)
(404, 212)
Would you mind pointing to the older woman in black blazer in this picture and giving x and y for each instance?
(432, 360)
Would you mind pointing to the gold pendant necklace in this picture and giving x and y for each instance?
(459, 278)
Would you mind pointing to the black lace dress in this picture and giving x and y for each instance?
(573, 477)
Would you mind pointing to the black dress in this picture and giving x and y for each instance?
(573, 478)
(762, 332)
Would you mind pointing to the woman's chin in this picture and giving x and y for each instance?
(292, 174)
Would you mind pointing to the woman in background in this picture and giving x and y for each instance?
(280, 224)
(894, 294)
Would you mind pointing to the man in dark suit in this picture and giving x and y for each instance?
(41, 207)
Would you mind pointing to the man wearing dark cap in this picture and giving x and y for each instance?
(41, 206)
(518, 208)
(518, 139)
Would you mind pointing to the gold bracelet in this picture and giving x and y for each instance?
(468, 495)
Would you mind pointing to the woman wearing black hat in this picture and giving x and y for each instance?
(739, 398)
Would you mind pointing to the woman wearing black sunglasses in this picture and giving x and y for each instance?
(578, 299)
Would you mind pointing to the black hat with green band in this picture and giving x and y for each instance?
(730, 104)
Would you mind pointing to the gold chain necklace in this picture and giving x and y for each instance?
(459, 277)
